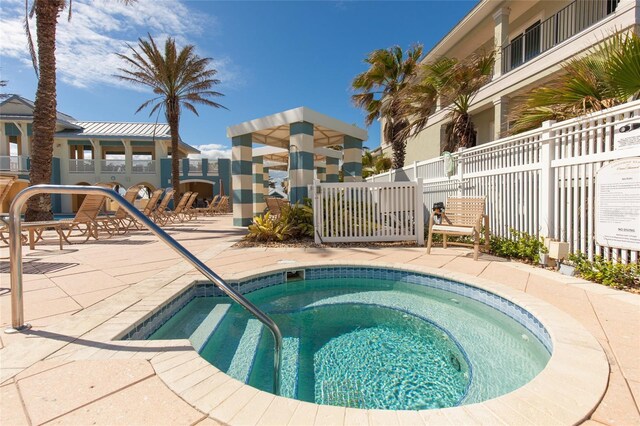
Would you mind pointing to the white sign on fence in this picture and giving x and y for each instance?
(618, 204)
(628, 136)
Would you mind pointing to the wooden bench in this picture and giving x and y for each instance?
(463, 216)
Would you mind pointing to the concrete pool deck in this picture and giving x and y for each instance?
(66, 371)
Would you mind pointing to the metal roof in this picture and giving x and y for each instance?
(121, 130)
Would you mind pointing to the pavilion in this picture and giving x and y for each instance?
(299, 140)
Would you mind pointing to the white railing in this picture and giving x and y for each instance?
(14, 163)
(112, 166)
(212, 168)
(143, 166)
(195, 167)
(81, 166)
(368, 211)
(541, 182)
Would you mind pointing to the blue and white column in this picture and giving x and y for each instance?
(242, 179)
(352, 159)
(265, 181)
(258, 186)
(333, 165)
(300, 160)
(321, 173)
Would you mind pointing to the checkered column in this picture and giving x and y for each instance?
(265, 181)
(322, 173)
(258, 186)
(242, 179)
(332, 170)
(352, 159)
(300, 160)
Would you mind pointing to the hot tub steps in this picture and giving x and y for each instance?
(289, 368)
(242, 361)
(206, 328)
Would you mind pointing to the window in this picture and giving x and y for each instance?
(525, 46)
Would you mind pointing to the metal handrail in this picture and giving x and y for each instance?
(15, 261)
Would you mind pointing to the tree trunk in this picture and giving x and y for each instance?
(44, 112)
(173, 117)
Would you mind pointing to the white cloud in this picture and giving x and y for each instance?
(87, 44)
(212, 151)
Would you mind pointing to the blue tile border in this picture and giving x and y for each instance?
(143, 329)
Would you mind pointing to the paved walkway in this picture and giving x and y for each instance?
(70, 295)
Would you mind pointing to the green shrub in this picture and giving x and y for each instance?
(267, 228)
(606, 272)
(294, 222)
(519, 246)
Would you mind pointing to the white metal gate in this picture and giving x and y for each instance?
(368, 211)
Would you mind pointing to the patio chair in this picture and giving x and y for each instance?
(161, 214)
(462, 216)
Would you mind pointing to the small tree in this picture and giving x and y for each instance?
(178, 79)
(454, 84)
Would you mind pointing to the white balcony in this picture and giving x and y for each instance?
(113, 166)
(82, 166)
(14, 163)
(143, 167)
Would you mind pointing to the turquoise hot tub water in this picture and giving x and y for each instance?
(365, 343)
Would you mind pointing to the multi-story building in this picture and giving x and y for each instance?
(532, 40)
(88, 152)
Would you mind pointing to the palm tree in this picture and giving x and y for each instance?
(45, 106)
(608, 76)
(454, 84)
(374, 164)
(178, 79)
(44, 111)
(381, 89)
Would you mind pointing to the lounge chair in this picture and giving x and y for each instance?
(463, 216)
(86, 224)
(6, 181)
(177, 211)
(122, 219)
(151, 207)
(189, 212)
(161, 214)
(223, 205)
(208, 211)
(274, 205)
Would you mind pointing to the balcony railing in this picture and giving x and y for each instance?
(82, 166)
(195, 167)
(544, 35)
(112, 166)
(14, 163)
(212, 167)
(143, 167)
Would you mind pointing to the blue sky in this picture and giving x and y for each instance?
(272, 56)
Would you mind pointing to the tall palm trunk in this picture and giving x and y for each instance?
(44, 112)
(465, 131)
(173, 117)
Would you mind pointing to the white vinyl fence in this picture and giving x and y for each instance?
(541, 182)
(368, 211)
